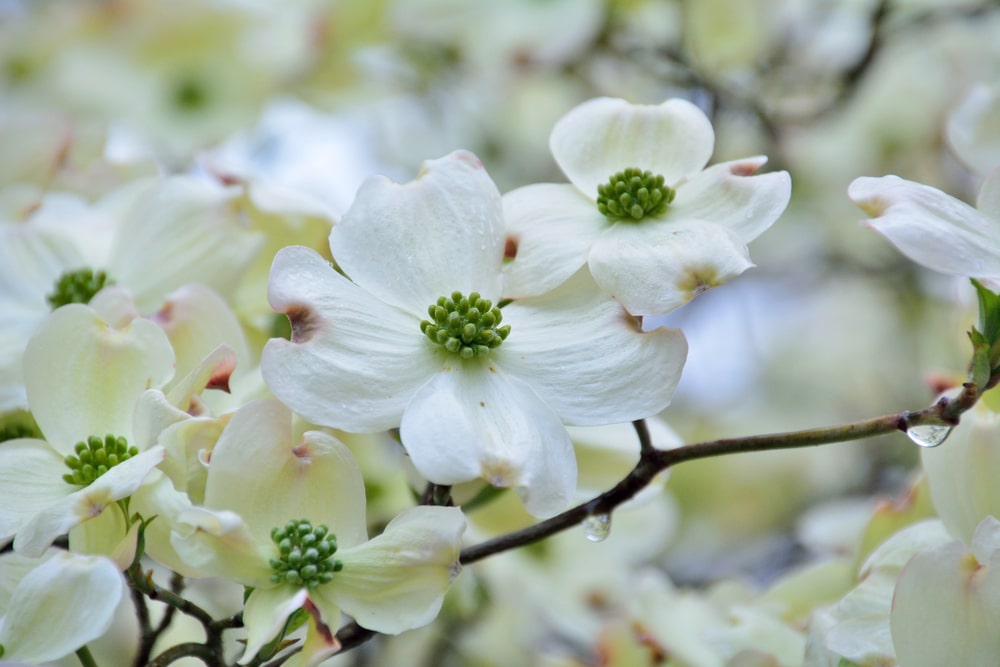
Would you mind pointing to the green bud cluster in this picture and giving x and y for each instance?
(467, 326)
(632, 195)
(96, 456)
(78, 286)
(305, 554)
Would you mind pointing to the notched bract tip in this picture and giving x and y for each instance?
(304, 323)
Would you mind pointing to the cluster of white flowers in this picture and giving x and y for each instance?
(435, 319)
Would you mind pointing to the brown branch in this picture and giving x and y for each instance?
(945, 412)
(352, 635)
(185, 650)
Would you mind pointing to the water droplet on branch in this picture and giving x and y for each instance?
(929, 435)
(597, 527)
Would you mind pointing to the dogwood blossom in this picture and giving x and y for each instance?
(655, 227)
(935, 229)
(477, 391)
(83, 379)
(289, 520)
(149, 237)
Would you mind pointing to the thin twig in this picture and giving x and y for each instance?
(147, 635)
(642, 430)
(143, 582)
(653, 461)
(185, 650)
(436, 494)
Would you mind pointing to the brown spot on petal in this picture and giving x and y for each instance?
(304, 323)
(633, 322)
(743, 169)
(597, 600)
(228, 179)
(196, 407)
(221, 374)
(165, 315)
(322, 628)
(303, 451)
(510, 247)
(698, 279)
(658, 653)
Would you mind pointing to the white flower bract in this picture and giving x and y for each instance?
(935, 229)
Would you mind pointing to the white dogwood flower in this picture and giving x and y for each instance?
(83, 380)
(288, 519)
(149, 238)
(415, 337)
(641, 210)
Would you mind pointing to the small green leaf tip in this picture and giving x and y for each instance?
(95, 456)
(467, 326)
(305, 554)
(78, 286)
(632, 195)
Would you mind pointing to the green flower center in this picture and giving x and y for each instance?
(305, 554)
(632, 195)
(78, 286)
(467, 326)
(95, 456)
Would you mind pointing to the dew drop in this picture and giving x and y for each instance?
(597, 527)
(930, 435)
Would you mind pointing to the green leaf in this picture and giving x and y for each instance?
(982, 366)
(989, 312)
(296, 620)
(988, 334)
